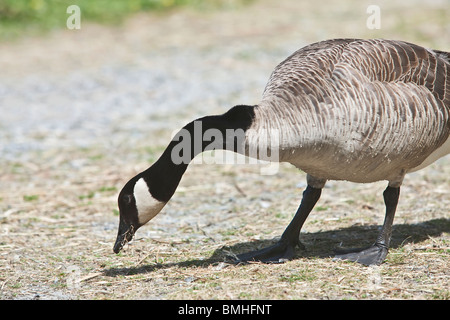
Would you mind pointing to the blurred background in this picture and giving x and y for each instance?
(134, 65)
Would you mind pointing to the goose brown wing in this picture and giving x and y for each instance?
(399, 61)
(377, 60)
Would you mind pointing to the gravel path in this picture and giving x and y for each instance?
(78, 87)
(74, 90)
(82, 108)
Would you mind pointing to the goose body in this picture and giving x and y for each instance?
(361, 111)
(342, 109)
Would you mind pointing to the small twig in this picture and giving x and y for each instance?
(168, 241)
(91, 276)
(142, 260)
(3, 284)
(205, 233)
(239, 189)
(231, 254)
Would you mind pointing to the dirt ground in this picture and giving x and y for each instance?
(83, 111)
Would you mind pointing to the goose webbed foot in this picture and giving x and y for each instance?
(284, 249)
(280, 252)
(373, 255)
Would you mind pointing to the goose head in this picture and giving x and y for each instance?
(137, 206)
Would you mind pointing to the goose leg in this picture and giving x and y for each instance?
(284, 249)
(375, 254)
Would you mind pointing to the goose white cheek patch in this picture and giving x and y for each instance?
(147, 206)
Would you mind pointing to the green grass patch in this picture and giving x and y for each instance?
(302, 275)
(19, 17)
(29, 198)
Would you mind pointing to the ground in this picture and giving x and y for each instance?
(84, 110)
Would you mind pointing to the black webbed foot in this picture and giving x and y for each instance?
(373, 255)
(280, 252)
(284, 249)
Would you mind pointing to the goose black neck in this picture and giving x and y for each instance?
(218, 132)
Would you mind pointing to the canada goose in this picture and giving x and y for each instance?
(342, 109)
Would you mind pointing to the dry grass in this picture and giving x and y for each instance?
(58, 227)
(58, 213)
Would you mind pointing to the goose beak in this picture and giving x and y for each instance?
(124, 235)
